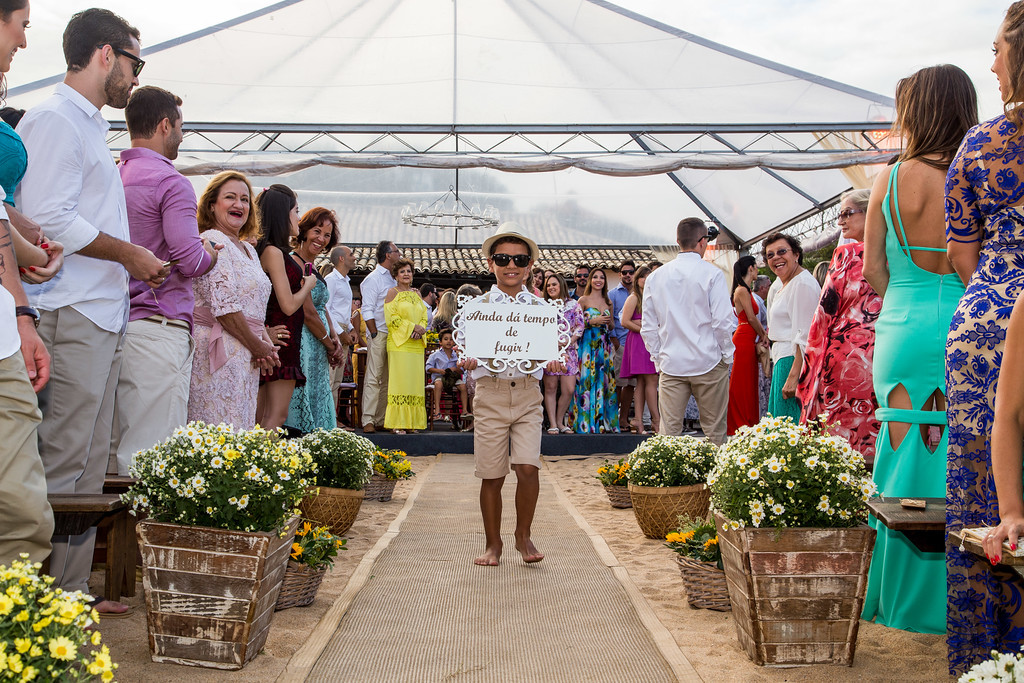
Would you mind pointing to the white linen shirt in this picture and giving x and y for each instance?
(10, 340)
(688, 318)
(73, 190)
(339, 305)
(374, 289)
(790, 314)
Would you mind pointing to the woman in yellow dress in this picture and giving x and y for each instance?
(406, 317)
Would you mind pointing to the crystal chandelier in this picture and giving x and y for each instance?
(448, 211)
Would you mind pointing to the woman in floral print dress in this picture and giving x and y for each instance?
(596, 409)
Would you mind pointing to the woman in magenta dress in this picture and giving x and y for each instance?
(744, 408)
(636, 359)
(836, 378)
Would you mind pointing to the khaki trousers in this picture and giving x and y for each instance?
(26, 521)
(711, 390)
(75, 434)
(152, 389)
(375, 386)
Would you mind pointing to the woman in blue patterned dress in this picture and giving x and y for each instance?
(312, 406)
(985, 235)
(596, 409)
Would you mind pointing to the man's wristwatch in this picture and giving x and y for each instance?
(29, 311)
(373, 335)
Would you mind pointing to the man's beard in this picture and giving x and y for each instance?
(115, 89)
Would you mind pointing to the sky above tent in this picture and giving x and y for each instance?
(224, 77)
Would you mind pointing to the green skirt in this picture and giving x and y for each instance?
(777, 405)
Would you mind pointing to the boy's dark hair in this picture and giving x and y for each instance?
(510, 240)
(445, 332)
(91, 29)
(147, 107)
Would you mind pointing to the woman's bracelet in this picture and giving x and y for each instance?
(325, 336)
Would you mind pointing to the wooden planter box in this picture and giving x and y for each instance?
(210, 593)
(796, 594)
(657, 508)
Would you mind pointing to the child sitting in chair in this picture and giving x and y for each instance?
(441, 366)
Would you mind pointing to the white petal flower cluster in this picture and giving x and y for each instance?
(1001, 668)
(664, 460)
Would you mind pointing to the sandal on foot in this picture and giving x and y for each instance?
(553, 430)
(565, 430)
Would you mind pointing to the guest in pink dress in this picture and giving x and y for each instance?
(636, 359)
(232, 345)
(836, 378)
(557, 405)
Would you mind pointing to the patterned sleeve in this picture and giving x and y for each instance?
(221, 285)
(963, 213)
(574, 316)
(399, 329)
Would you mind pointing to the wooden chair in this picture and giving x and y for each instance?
(349, 404)
(451, 405)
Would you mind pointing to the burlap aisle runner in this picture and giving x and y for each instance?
(429, 614)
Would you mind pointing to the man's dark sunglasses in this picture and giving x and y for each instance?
(137, 62)
(521, 260)
(626, 272)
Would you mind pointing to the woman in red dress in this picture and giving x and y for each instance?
(836, 378)
(743, 389)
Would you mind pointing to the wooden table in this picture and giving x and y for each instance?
(924, 528)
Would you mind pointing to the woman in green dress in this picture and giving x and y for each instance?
(905, 261)
(406, 316)
(312, 406)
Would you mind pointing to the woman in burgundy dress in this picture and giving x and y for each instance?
(279, 221)
(743, 382)
(836, 378)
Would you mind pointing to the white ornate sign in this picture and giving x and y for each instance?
(504, 332)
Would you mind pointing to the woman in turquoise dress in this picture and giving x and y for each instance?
(596, 409)
(985, 234)
(905, 262)
(312, 406)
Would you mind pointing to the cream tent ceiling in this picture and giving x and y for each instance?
(608, 125)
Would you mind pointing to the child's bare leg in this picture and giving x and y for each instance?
(462, 397)
(490, 508)
(438, 386)
(527, 491)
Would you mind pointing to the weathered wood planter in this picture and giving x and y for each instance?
(657, 508)
(380, 488)
(796, 594)
(335, 509)
(210, 593)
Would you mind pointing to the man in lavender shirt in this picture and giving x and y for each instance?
(152, 392)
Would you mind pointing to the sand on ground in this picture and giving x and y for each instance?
(706, 638)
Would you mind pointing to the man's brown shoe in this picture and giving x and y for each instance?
(368, 428)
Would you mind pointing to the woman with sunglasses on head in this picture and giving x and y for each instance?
(835, 380)
(790, 312)
(905, 261)
(596, 409)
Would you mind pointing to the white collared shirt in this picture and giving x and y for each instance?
(374, 290)
(339, 306)
(790, 313)
(10, 340)
(688, 318)
(73, 190)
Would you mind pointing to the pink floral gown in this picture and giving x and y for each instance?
(836, 378)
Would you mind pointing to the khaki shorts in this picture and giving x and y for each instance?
(507, 426)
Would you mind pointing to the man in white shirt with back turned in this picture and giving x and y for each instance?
(374, 290)
(339, 308)
(687, 326)
(73, 190)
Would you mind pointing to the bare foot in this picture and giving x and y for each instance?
(109, 608)
(490, 558)
(529, 552)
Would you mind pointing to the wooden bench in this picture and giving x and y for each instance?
(924, 528)
(76, 513)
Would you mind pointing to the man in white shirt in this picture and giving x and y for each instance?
(25, 515)
(687, 326)
(374, 290)
(339, 308)
(73, 190)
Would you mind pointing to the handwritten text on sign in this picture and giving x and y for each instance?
(511, 331)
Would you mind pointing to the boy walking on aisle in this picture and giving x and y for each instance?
(508, 407)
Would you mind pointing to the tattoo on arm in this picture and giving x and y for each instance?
(6, 244)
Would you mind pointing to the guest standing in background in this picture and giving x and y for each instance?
(836, 379)
(311, 406)
(406, 317)
(374, 288)
(985, 242)
(764, 383)
(428, 292)
(905, 262)
(790, 313)
(560, 386)
(279, 222)
(232, 345)
(636, 359)
(743, 389)
(339, 310)
(447, 307)
(624, 386)
(596, 410)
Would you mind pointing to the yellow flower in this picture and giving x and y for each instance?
(306, 528)
(23, 615)
(674, 537)
(22, 644)
(107, 676)
(231, 454)
(296, 550)
(96, 637)
(29, 674)
(61, 647)
(710, 542)
(6, 605)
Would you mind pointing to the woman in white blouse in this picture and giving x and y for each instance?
(792, 302)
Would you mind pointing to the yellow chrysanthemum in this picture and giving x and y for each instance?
(62, 648)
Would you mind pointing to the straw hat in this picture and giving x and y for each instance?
(510, 229)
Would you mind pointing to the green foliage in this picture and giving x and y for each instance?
(213, 476)
(696, 539)
(316, 547)
(613, 474)
(777, 473)
(392, 464)
(344, 460)
(663, 460)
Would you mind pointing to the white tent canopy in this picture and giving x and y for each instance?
(615, 124)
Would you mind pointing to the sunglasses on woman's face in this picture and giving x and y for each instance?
(521, 260)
